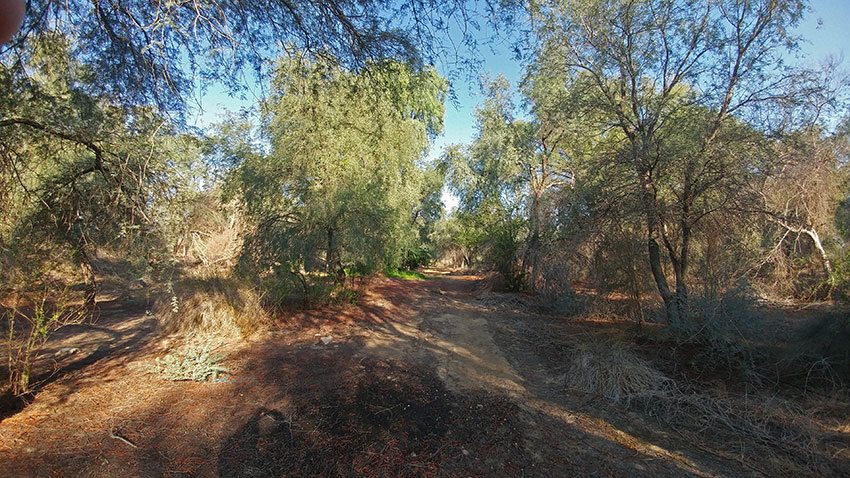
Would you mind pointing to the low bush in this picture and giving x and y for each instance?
(568, 303)
(34, 316)
(194, 361)
(721, 328)
(823, 348)
(216, 306)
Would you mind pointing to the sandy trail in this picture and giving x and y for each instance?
(420, 379)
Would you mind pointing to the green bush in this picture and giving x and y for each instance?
(416, 258)
(503, 248)
(194, 362)
(722, 328)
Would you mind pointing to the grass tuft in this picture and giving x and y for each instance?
(407, 275)
(608, 369)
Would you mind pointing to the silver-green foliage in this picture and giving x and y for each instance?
(194, 362)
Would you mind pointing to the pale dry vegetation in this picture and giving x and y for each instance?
(214, 305)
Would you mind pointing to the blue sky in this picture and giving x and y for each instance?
(825, 30)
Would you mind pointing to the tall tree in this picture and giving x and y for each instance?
(666, 79)
(344, 182)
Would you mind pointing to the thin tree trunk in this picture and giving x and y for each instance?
(329, 256)
(529, 258)
(670, 301)
(827, 264)
(91, 279)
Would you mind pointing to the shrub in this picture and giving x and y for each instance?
(29, 328)
(194, 362)
(568, 302)
(215, 306)
(502, 250)
(417, 257)
(722, 328)
(823, 349)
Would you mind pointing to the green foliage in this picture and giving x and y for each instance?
(80, 171)
(157, 53)
(406, 274)
(416, 258)
(842, 278)
(195, 361)
(29, 327)
(343, 185)
(502, 252)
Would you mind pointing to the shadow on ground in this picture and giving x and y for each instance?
(399, 391)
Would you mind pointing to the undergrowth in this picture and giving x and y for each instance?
(405, 274)
(215, 305)
(755, 424)
(194, 361)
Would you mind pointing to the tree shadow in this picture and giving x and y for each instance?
(291, 406)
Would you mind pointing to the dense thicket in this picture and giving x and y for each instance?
(664, 148)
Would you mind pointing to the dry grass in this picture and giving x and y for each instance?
(216, 236)
(783, 434)
(211, 306)
(609, 369)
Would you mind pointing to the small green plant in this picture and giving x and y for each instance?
(404, 274)
(29, 328)
(195, 362)
(175, 302)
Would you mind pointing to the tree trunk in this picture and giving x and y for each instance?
(329, 256)
(91, 279)
(529, 257)
(827, 264)
(671, 305)
(681, 269)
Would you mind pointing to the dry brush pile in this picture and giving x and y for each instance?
(765, 431)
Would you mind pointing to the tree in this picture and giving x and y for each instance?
(343, 184)
(78, 171)
(668, 82)
(802, 192)
(154, 53)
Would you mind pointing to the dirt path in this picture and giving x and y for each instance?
(420, 379)
(454, 331)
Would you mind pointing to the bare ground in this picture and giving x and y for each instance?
(420, 379)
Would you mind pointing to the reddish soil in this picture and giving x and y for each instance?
(420, 379)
